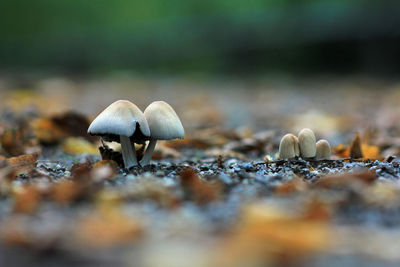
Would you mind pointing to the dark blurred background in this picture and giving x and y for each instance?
(213, 37)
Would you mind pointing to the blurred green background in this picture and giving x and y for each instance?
(215, 37)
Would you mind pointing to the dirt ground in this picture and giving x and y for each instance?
(218, 197)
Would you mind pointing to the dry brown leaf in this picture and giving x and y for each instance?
(316, 210)
(347, 180)
(355, 147)
(368, 151)
(81, 171)
(46, 131)
(342, 151)
(67, 192)
(11, 141)
(197, 190)
(27, 199)
(23, 164)
(73, 124)
(54, 129)
(296, 185)
(7, 173)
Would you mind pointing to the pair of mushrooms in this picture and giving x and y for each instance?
(125, 123)
(304, 146)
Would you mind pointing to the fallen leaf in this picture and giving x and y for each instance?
(79, 145)
(296, 185)
(11, 141)
(316, 210)
(67, 192)
(73, 124)
(342, 151)
(27, 199)
(81, 172)
(371, 152)
(23, 164)
(355, 147)
(197, 190)
(366, 151)
(347, 180)
(46, 131)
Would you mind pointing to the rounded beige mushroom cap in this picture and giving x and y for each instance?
(323, 149)
(120, 118)
(289, 147)
(307, 143)
(163, 121)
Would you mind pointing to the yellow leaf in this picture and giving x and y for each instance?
(78, 145)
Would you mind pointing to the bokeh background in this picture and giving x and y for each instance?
(235, 37)
(330, 65)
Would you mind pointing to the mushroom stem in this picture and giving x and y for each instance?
(149, 152)
(128, 153)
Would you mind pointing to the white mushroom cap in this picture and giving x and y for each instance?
(163, 122)
(323, 149)
(120, 118)
(307, 143)
(289, 147)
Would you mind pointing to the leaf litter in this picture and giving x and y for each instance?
(220, 195)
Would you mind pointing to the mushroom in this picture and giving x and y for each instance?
(323, 149)
(125, 123)
(289, 147)
(307, 143)
(164, 125)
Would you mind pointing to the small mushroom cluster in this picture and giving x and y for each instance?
(304, 146)
(125, 123)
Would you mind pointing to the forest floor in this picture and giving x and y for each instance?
(219, 197)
